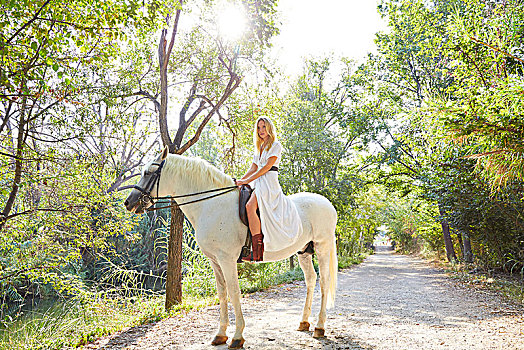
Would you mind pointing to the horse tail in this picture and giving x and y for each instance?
(333, 272)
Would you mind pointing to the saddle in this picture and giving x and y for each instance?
(245, 194)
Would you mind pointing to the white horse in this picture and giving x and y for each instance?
(221, 235)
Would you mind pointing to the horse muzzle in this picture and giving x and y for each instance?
(137, 202)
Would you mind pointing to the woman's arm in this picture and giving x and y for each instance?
(251, 171)
(253, 176)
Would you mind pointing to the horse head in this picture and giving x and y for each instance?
(141, 197)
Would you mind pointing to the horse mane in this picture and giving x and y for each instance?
(202, 173)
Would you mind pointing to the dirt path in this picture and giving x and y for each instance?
(389, 302)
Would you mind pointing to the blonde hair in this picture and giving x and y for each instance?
(271, 132)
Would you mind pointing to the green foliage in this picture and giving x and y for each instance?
(43, 251)
(485, 113)
(199, 279)
(254, 277)
(356, 231)
(75, 323)
(444, 90)
(45, 44)
(319, 136)
(348, 261)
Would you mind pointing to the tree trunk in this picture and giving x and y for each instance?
(291, 262)
(176, 229)
(468, 253)
(174, 264)
(174, 259)
(17, 169)
(461, 245)
(162, 113)
(450, 251)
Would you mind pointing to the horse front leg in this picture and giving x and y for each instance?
(229, 269)
(221, 337)
(310, 277)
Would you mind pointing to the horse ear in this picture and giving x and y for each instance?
(165, 152)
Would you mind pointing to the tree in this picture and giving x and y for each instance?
(44, 47)
(486, 112)
(58, 65)
(440, 92)
(410, 68)
(208, 66)
(320, 134)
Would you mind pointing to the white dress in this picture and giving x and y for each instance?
(279, 218)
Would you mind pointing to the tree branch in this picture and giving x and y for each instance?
(398, 160)
(173, 34)
(6, 116)
(29, 22)
(198, 111)
(145, 94)
(74, 25)
(4, 218)
(234, 82)
(496, 49)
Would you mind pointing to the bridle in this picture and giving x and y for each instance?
(147, 198)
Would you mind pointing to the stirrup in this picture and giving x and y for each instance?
(244, 254)
(247, 258)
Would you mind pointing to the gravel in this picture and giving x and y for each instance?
(390, 301)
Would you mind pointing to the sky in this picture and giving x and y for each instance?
(318, 28)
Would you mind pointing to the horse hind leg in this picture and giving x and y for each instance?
(310, 277)
(221, 337)
(327, 265)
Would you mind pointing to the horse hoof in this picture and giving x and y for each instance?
(319, 333)
(304, 326)
(236, 344)
(219, 340)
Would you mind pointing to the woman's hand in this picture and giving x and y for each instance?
(239, 183)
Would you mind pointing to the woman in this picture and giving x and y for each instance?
(279, 220)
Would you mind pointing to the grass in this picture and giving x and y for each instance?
(255, 277)
(73, 323)
(348, 261)
(510, 286)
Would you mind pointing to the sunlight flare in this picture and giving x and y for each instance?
(231, 22)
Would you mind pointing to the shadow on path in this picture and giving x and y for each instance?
(390, 301)
(127, 338)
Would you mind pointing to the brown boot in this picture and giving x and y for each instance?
(258, 247)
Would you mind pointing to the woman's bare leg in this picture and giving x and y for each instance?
(254, 221)
(254, 227)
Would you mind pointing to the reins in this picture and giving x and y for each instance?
(155, 180)
(172, 198)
